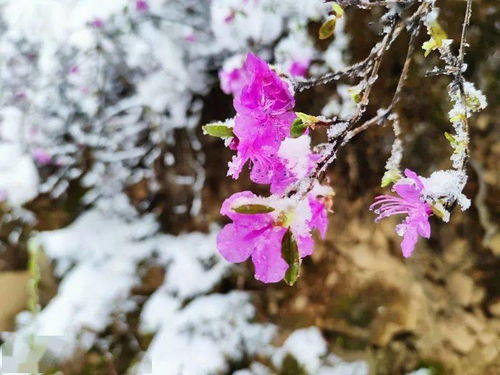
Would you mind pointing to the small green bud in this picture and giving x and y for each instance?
(220, 130)
(253, 209)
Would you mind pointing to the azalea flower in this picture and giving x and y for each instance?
(141, 5)
(41, 156)
(233, 80)
(259, 236)
(298, 68)
(264, 115)
(411, 203)
(97, 22)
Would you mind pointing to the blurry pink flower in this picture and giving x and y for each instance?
(232, 81)
(298, 68)
(74, 69)
(98, 23)
(141, 5)
(3, 195)
(230, 17)
(191, 38)
(41, 156)
(411, 203)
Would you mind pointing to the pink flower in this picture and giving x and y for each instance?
(41, 156)
(298, 68)
(411, 203)
(191, 38)
(98, 23)
(230, 16)
(260, 236)
(295, 162)
(232, 81)
(264, 115)
(141, 5)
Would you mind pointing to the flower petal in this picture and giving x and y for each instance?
(232, 244)
(268, 262)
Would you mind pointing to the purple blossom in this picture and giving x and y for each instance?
(191, 38)
(141, 5)
(260, 236)
(411, 203)
(264, 116)
(97, 23)
(41, 156)
(232, 81)
(230, 16)
(298, 68)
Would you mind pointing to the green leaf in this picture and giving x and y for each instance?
(290, 253)
(298, 128)
(338, 10)
(450, 138)
(307, 119)
(440, 211)
(253, 209)
(391, 176)
(220, 130)
(437, 34)
(327, 29)
(458, 146)
(428, 47)
(355, 93)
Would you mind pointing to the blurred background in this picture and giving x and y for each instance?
(110, 196)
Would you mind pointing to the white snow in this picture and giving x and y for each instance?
(447, 185)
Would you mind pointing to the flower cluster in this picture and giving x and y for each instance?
(264, 103)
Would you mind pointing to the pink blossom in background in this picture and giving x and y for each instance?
(41, 156)
(260, 236)
(3, 195)
(232, 81)
(411, 203)
(298, 68)
(141, 5)
(191, 38)
(230, 17)
(74, 69)
(264, 109)
(98, 23)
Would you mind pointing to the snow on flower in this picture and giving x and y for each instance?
(411, 203)
(260, 235)
(264, 116)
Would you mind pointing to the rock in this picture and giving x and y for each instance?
(494, 244)
(14, 296)
(459, 337)
(494, 308)
(461, 287)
